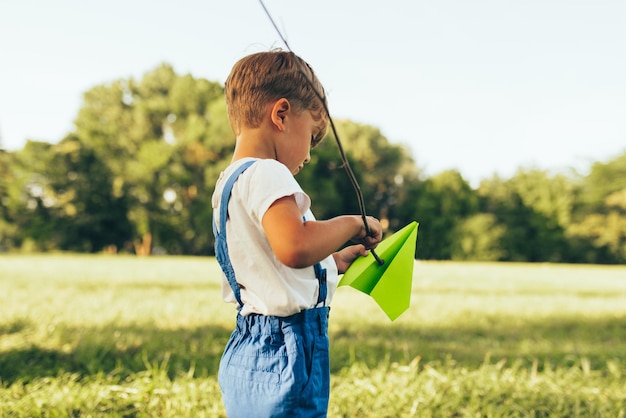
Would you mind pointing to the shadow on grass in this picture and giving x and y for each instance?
(120, 351)
(555, 342)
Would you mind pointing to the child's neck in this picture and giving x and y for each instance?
(254, 144)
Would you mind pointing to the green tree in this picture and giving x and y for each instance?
(478, 238)
(206, 150)
(30, 199)
(598, 233)
(88, 215)
(535, 209)
(8, 228)
(601, 238)
(157, 136)
(603, 179)
(47, 205)
(440, 203)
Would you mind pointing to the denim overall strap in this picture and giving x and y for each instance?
(221, 247)
(320, 274)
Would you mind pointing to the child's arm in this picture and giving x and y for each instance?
(299, 244)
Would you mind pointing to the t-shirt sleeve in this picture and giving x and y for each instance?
(270, 181)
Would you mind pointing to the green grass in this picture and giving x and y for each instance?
(92, 336)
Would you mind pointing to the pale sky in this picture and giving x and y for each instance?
(481, 86)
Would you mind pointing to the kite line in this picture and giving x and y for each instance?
(346, 164)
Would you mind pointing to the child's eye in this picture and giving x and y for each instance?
(315, 141)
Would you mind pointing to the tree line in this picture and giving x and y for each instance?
(137, 174)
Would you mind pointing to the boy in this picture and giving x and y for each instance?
(280, 265)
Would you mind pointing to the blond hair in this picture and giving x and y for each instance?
(260, 78)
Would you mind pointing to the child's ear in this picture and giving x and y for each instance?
(280, 109)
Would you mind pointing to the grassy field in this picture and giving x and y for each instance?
(93, 336)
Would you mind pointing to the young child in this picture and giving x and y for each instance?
(280, 265)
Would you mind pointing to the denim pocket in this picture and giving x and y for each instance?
(257, 361)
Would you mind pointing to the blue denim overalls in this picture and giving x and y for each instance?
(273, 366)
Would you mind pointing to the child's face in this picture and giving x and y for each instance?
(296, 147)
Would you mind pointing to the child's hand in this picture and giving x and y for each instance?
(371, 240)
(345, 257)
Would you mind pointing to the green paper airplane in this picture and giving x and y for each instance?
(388, 284)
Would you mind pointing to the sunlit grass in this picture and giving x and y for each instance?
(127, 336)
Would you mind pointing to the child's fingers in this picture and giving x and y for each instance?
(375, 228)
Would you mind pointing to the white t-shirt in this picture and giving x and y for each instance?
(268, 286)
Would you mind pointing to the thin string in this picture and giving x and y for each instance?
(346, 164)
